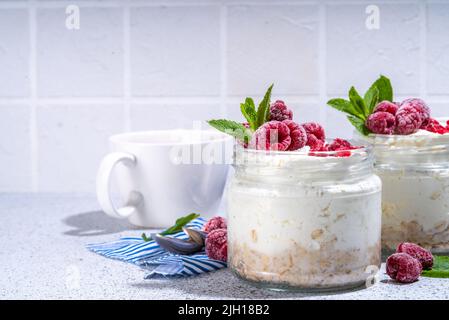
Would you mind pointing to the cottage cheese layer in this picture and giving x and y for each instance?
(415, 196)
(310, 234)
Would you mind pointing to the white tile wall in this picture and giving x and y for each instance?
(14, 53)
(15, 152)
(137, 65)
(80, 63)
(268, 44)
(175, 51)
(72, 141)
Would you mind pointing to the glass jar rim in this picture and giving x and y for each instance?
(307, 153)
(313, 166)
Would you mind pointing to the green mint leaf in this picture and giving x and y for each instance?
(440, 268)
(345, 106)
(358, 102)
(181, 222)
(177, 227)
(263, 111)
(249, 112)
(359, 124)
(383, 84)
(371, 98)
(145, 238)
(233, 128)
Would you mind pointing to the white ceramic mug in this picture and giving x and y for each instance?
(162, 175)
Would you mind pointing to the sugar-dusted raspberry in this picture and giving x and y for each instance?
(424, 256)
(215, 223)
(435, 126)
(381, 123)
(420, 106)
(314, 132)
(280, 112)
(402, 267)
(408, 120)
(217, 244)
(273, 135)
(318, 145)
(298, 135)
(386, 106)
(340, 144)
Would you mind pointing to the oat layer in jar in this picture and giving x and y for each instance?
(414, 170)
(298, 221)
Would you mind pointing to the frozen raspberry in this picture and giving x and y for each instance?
(408, 120)
(420, 106)
(402, 267)
(381, 123)
(217, 244)
(298, 135)
(314, 132)
(273, 135)
(280, 112)
(419, 253)
(386, 106)
(435, 126)
(318, 148)
(215, 223)
(342, 146)
(318, 145)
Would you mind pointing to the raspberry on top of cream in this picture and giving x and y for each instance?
(271, 128)
(377, 113)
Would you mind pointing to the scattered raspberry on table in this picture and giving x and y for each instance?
(403, 268)
(215, 223)
(424, 256)
(217, 245)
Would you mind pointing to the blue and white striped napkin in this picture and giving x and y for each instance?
(149, 255)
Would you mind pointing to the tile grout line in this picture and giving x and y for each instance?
(423, 51)
(322, 62)
(223, 60)
(34, 143)
(126, 69)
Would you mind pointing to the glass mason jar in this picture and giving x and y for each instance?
(414, 170)
(304, 222)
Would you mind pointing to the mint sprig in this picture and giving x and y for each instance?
(358, 109)
(233, 128)
(263, 112)
(440, 268)
(177, 227)
(255, 118)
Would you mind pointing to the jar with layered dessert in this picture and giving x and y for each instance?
(304, 221)
(414, 170)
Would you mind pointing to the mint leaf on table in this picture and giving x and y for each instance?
(177, 227)
(440, 268)
(263, 111)
(248, 110)
(233, 128)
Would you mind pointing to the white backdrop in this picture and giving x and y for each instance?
(134, 65)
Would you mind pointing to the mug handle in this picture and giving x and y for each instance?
(103, 180)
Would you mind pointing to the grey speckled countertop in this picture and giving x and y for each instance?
(42, 256)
